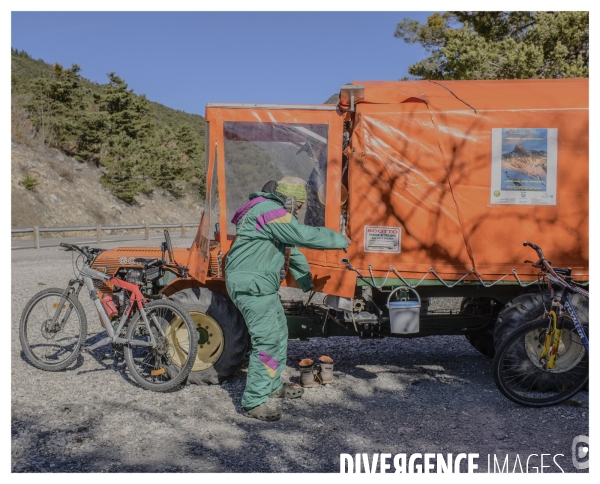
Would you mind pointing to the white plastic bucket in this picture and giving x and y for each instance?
(404, 314)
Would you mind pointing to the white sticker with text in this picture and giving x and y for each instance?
(383, 239)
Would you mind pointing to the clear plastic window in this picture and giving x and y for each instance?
(256, 153)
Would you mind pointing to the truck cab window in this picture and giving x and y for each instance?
(256, 152)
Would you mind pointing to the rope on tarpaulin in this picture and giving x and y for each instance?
(432, 271)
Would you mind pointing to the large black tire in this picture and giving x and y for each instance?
(483, 307)
(223, 336)
(521, 377)
(528, 307)
(47, 348)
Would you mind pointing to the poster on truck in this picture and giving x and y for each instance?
(523, 166)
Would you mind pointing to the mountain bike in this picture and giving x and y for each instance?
(158, 338)
(546, 361)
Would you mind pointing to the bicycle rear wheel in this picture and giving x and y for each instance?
(521, 377)
(48, 345)
(167, 364)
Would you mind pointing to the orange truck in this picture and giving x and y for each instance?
(436, 183)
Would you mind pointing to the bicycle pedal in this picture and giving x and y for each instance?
(160, 371)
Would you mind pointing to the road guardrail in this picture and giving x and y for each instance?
(99, 229)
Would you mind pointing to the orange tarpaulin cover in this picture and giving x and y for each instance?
(444, 175)
(421, 158)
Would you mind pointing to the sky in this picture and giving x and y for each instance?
(187, 59)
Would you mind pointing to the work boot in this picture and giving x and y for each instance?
(307, 378)
(263, 412)
(325, 372)
(288, 391)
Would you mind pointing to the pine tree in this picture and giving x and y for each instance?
(500, 45)
(56, 105)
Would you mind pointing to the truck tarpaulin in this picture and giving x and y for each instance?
(460, 173)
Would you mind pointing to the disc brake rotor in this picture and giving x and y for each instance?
(47, 331)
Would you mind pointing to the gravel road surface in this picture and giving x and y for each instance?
(427, 395)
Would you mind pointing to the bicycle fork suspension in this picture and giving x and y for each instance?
(551, 343)
(62, 304)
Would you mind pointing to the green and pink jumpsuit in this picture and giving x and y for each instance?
(253, 275)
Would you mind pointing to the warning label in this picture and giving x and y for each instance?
(383, 239)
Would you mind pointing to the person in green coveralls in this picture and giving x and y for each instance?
(267, 235)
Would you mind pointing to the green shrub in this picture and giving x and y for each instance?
(29, 182)
(66, 174)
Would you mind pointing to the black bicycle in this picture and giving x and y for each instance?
(546, 361)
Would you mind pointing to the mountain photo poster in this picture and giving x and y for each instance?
(523, 166)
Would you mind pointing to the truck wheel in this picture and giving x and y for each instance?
(482, 341)
(528, 307)
(222, 334)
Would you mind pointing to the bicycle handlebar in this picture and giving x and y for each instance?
(74, 247)
(543, 264)
(555, 276)
(89, 254)
(538, 249)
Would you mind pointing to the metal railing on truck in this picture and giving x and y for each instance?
(98, 229)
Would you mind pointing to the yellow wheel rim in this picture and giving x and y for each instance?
(179, 343)
(210, 341)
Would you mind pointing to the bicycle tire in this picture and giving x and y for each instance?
(46, 348)
(166, 365)
(521, 378)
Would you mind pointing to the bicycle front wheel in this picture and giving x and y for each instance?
(52, 333)
(521, 377)
(167, 363)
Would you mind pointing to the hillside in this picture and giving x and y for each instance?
(70, 194)
(139, 146)
(25, 67)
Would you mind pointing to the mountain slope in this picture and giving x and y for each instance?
(69, 194)
(141, 146)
